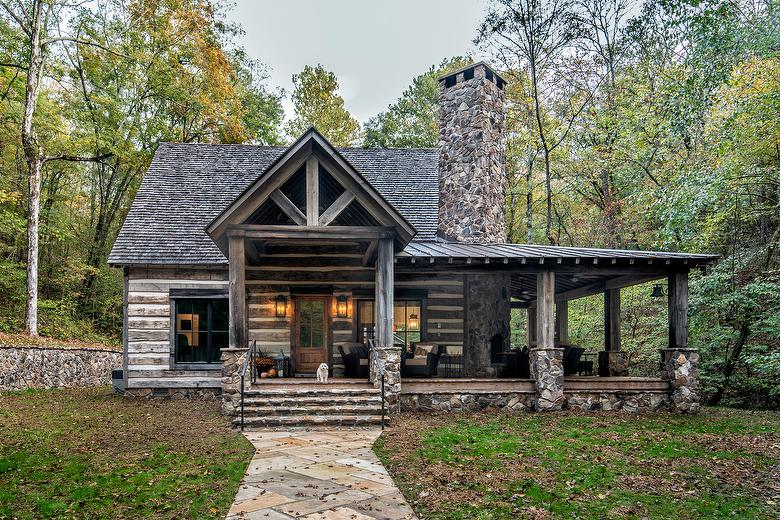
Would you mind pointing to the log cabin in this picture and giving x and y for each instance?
(391, 266)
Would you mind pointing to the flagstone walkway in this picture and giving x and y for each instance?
(319, 475)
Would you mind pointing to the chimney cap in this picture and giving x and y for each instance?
(499, 80)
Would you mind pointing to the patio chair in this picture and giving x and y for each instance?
(423, 361)
(571, 360)
(355, 359)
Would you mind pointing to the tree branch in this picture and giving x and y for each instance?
(79, 158)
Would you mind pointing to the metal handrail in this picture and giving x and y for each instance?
(249, 360)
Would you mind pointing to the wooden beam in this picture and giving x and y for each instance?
(335, 209)
(311, 233)
(678, 310)
(384, 294)
(312, 191)
(612, 283)
(562, 321)
(289, 209)
(612, 320)
(530, 333)
(545, 310)
(370, 251)
(237, 293)
(467, 266)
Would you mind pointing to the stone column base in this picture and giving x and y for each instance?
(387, 360)
(680, 366)
(232, 362)
(547, 373)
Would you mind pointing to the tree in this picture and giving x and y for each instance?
(35, 20)
(317, 103)
(413, 120)
(174, 77)
(538, 36)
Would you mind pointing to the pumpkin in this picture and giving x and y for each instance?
(272, 372)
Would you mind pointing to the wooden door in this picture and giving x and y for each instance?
(310, 333)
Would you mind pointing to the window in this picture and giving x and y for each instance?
(407, 321)
(201, 329)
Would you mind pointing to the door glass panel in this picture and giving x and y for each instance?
(312, 323)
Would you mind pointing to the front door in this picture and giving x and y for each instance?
(310, 333)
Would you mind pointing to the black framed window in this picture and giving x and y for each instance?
(201, 329)
(407, 321)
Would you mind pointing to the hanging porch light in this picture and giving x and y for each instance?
(414, 322)
(342, 309)
(281, 306)
(658, 291)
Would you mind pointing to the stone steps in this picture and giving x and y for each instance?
(296, 421)
(347, 409)
(312, 400)
(305, 404)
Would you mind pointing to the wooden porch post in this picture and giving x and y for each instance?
(387, 357)
(612, 320)
(237, 292)
(384, 294)
(530, 332)
(680, 363)
(545, 309)
(678, 310)
(562, 322)
(546, 358)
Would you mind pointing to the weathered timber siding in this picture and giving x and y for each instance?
(148, 335)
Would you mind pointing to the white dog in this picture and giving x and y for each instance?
(322, 373)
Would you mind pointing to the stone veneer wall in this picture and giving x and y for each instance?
(467, 402)
(487, 314)
(45, 367)
(471, 160)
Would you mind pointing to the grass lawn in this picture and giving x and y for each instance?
(85, 453)
(721, 464)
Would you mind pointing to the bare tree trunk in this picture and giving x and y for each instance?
(529, 198)
(730, 365)
(34, 159)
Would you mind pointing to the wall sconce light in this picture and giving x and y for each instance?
(658, 291)
(342, 310)
(281, 306)
(414, 322)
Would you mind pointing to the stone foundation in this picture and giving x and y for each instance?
(205, 394)
(45, 367)
(629, 402)
(681, 369)
(467, 402)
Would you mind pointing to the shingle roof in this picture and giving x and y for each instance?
(188, 185)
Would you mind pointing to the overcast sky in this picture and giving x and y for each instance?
(374, 47)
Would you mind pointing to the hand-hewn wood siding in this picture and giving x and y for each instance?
(148, 334)
(149, 349)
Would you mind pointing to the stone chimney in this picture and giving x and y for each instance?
(471, 162)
